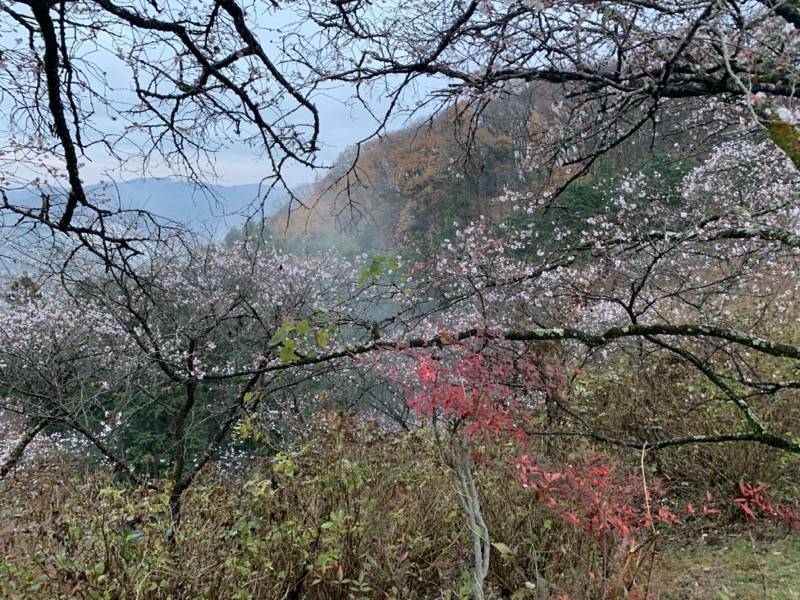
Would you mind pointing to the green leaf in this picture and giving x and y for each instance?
(375, 269)
(279, 336)
(322, 338)
(287, 355)
(502, 548)
(302, 328)
(466, 590)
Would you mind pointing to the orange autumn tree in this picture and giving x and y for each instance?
(447, 171)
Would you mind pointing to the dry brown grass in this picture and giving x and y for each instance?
(359, 513)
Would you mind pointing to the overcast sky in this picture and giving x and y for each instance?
(342, 123)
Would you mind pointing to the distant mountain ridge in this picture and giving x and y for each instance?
(214, 208)
(180, 201)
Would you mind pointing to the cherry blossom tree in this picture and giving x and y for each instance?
(627, 71)
(530, 318)
(650, 275)
(167, 88)
(214, 335)
(195, 344)
(708, 279)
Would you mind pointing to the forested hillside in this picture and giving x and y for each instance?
(421, 182)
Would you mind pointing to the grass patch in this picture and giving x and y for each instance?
(757, 563)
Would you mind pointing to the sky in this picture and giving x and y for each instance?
(341, 126)
(342, 123)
